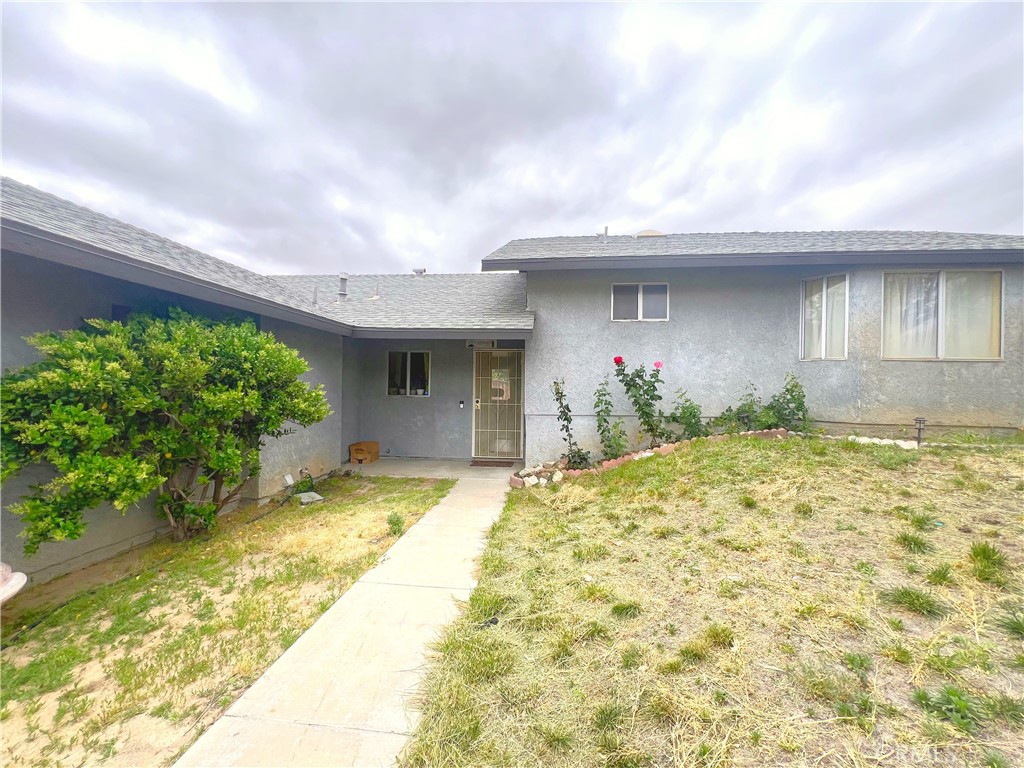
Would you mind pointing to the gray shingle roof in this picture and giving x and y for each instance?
(733, 244)
(27, 205)
(473, 301)
(443, 301)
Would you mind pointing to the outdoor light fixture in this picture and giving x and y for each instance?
(919, 421)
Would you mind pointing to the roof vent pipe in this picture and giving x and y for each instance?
(342, 286)
(420, 272)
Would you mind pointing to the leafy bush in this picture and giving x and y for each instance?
(686, 414)
(787, 408)
(305, 485)
(177, 405)
(575, 456)
(642, 389)
(613, 434)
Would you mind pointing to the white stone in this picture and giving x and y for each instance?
(308, 498)
(543, 481)
(530, 481)
(909, 445)
(557, 477)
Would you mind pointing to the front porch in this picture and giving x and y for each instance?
(458, 468)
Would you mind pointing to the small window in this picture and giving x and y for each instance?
(409, 374)
(823, 328)
(640, 301)
(945, 315)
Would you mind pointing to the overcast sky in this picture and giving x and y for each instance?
(378, 138)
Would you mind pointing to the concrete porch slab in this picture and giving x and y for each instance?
(458, 468)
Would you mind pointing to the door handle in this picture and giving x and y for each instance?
(476, 404)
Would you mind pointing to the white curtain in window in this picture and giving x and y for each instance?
(812, 319)
(835, 322)
(971, 315)
(910, 315)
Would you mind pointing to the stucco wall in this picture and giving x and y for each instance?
(318, 447)
(431, 426)
(728, 327)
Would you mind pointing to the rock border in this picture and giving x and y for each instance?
(557, 471)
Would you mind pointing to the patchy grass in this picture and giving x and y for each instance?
(791, 630)
(131, 672)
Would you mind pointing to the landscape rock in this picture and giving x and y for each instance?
(309, 497)
(557, 476)
(516, 482)
(530, 481)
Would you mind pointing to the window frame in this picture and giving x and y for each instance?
(940, 317)
(640, 304)
(823, 279)
(408, 372)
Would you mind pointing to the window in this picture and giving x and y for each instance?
(409, 374)
(945, 315)
(640, 301)
(823, 329)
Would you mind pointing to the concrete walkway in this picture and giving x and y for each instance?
(342, 694)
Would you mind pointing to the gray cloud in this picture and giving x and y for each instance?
(319, 137)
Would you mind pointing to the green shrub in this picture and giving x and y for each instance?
(614, 442)
(177, 404)
(787, 408)
(686, 415)
(305, 485)
(642, 390)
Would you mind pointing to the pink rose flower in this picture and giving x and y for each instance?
(657, 364)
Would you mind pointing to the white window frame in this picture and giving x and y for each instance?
(640, 304)
(408, 372)
(823, 279)
(940, 317)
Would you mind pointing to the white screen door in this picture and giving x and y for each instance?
(498, 404)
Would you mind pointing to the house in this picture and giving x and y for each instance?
(880, 327)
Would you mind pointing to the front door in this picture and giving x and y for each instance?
(498, 404)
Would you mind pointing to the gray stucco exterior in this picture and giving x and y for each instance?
(433, 426)
(39, 295)
(732, 326)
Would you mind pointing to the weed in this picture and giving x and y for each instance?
(867, 569)
(923, 521)
(988, 563)
(694, 652)
(396, 524)
(895, 623)
(897, 652)
(557, 739)
(915, 600)
(591, 552)
(663, 532)
(632, 656)
(954, 705)
(748, 501)
(803, 509)
(628, 609)
(1012, 620)
(940, 575)
(992, 759)
(719, 635)
(858, 663)
(913, 543)
(607, 716)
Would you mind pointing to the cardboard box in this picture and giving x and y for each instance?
(364, 452)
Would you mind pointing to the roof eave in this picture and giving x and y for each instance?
(442, 333)
(970, 256)
(41, 244)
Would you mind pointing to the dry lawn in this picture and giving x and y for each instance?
(130, 673)
(745, 603)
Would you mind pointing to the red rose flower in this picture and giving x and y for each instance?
(617, 360)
